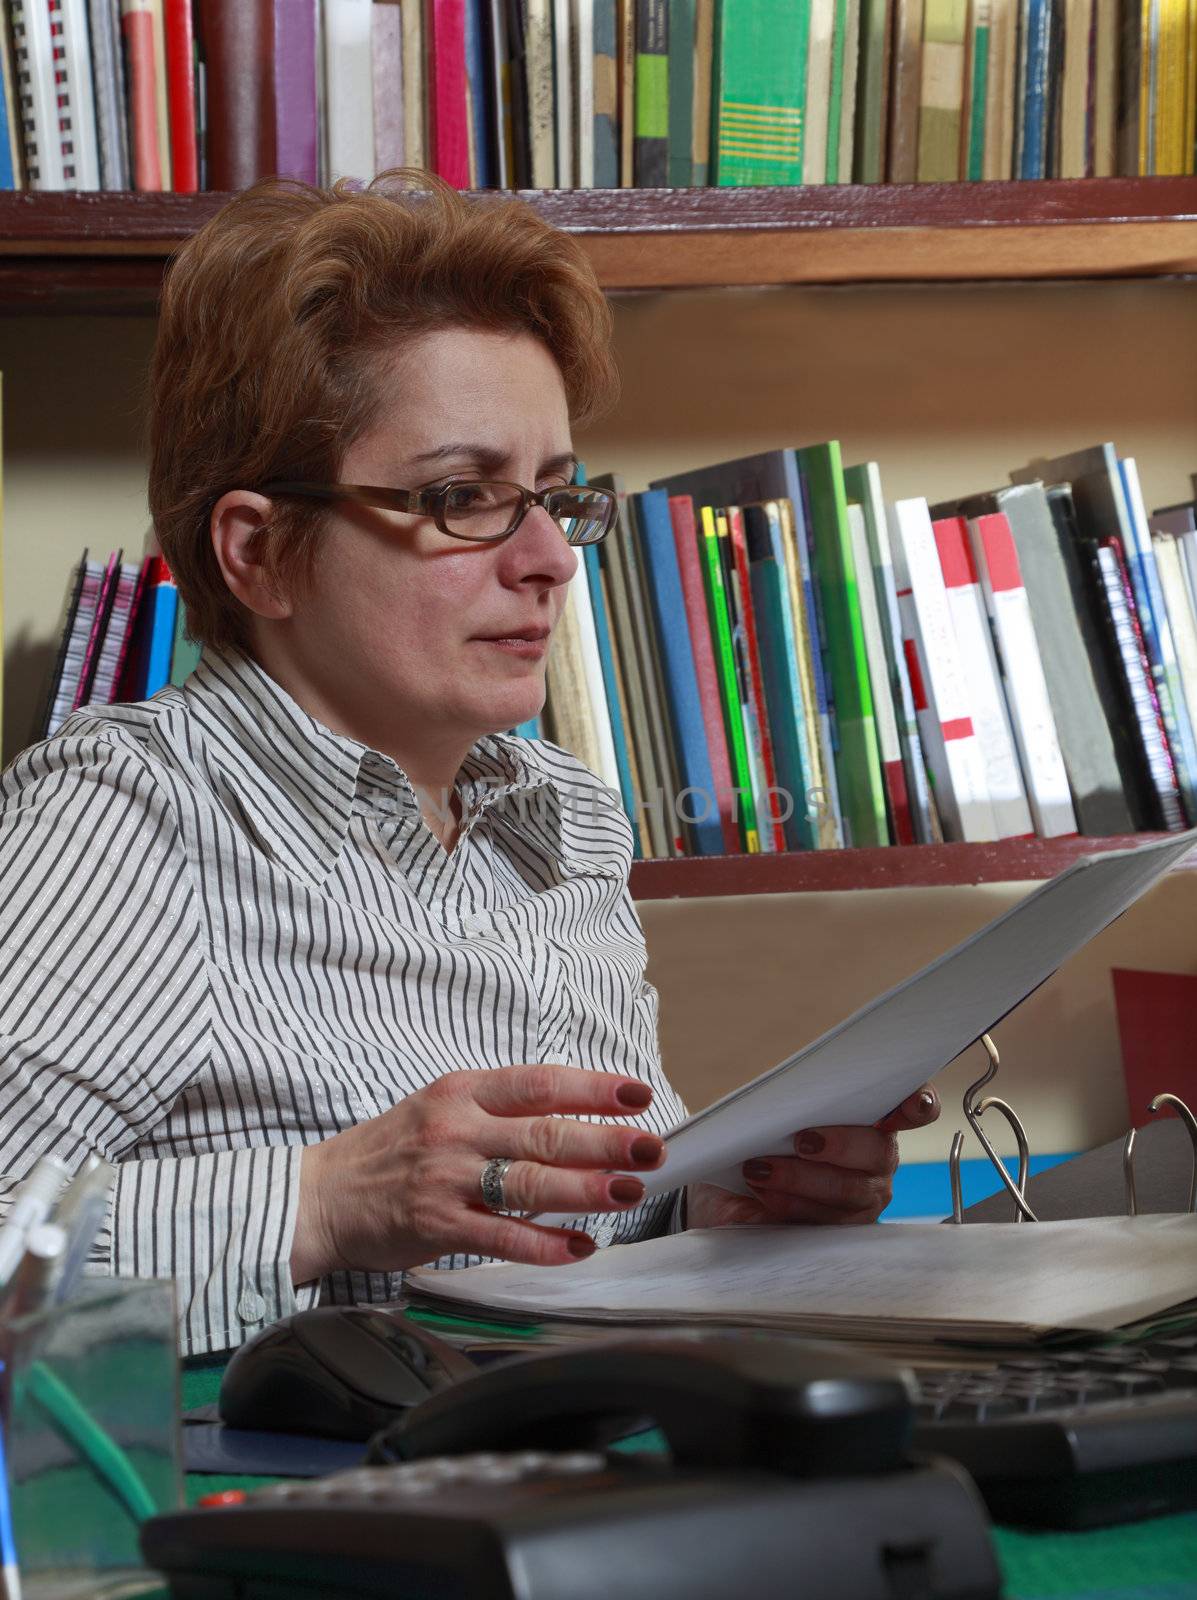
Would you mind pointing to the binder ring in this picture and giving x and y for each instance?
(973, 1110)
(1128, 1151)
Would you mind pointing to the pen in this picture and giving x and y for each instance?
(8, 1546)
(98, 1449)
(80, 1214)
(31, 1205)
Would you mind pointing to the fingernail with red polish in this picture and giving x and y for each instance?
(646, 1149)
(624, 1189)
(926, 1100)
(637, 1095)
(810, 1144)
(758, 1171)
(580, 1245)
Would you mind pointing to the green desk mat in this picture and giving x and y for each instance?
(1155, 1560)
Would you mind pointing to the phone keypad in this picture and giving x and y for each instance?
(417, 1478)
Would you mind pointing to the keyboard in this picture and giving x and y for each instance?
(1073, 1438)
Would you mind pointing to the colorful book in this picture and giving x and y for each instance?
(179, 40)
(606, 97)
(613, 689)
(36, 100)
(102, 690)
(448, 124)
(996, 559)
(987, 702)
(625, 54)
(1034, 87)
(386, 69)
(1181, 617)
(125, 678)
(938, 677)
(498, 97)
(889, 747)
(681, 93)
(759, 93)
(698, 804)
(749, 679)
(75, 93)
(941, 96)
(858, 763)
(976, 87)
(729, 680)
(795, 655)
(293, 45)
(74, 631)
(841, 103)
(650, 152)
(105, 600)
(11, 176)
(162, 601)
(184, 652)
(686, 538)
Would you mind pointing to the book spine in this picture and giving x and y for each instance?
(769, 803)
(938, 678)
(697, 800)
(793, 669)
(482, 165)
(386, 68)
(10, 151)
(74, 76)
(124, 677)
(575, 717)
(606, 97)
(681, 94)
(137, 34)
(1032, 161)
(349, 88)
(563, 94)
(653, 683)
(905, 82)
(164, 601)
(759, 117)
(1182, 619)
(584, 105)
(294, 93)
(820, 655)
(976, 82)
(112, 646)
(33, 63)
(821, 33)
(822, 800)
(704, 42)
(792, 782)
(1001, 92)
(941, 97)
(109, 85)
(238, 52)
(447, 122)
(686, 543)
(415, 144)
(987, 706)
(650, 157)
(1138, 675)
(626, 46)
(1006, 600)
(78, 633)
(889, 745)
(605, 763)
(538, 61)
(612, 688)
(180, 83)
(733, 716)
(872, 99)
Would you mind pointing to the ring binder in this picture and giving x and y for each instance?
(1128, 1151)
(974, 1109)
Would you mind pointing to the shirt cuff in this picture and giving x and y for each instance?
(222, 1226)
(677, 1214)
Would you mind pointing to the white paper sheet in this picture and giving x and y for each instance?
(866, 1066)
(1098, 1274)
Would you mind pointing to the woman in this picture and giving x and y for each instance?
(337, 972)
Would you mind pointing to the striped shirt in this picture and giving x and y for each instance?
(226, 932)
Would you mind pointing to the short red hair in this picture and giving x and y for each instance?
(272, 320)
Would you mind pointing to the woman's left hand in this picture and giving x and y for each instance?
(838, 1175)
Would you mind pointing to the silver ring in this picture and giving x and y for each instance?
(491, 1184)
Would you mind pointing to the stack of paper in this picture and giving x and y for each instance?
(907, 1282)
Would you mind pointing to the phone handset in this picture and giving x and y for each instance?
(721, 1400)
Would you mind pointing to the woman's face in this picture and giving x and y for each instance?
(414, 635)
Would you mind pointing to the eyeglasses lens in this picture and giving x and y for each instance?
(487, 510)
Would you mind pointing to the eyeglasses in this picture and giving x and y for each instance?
(483, 512)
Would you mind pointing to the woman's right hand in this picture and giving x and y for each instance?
(403, 1188)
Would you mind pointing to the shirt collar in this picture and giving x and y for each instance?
(294, 781)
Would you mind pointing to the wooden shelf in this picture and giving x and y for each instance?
(897, 867)
(105, 251)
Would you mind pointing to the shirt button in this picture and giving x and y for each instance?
(251, 1307)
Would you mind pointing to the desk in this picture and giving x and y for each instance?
(1154, 1560)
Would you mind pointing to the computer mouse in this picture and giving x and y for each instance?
(342, 1372)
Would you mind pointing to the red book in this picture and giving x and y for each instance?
(180, 91)
(237, 39)
(760, 716)
(1155, 1028)
(685, 538)
(137, 32)
(448, 116)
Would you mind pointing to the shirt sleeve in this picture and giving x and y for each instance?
(105, 1020)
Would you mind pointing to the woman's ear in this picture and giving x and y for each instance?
(239, 520)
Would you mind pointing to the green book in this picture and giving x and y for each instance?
(651, 147)
(835, 98)
(941, 94)
(974, 167)
(681, 94)
(858, 762)
(729, 688)
(758, 91)
(872, 93)
(185, 653)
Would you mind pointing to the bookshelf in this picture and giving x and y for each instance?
(104, 252)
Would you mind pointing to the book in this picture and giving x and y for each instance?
(498, 98)
(74, 93)
(729, 524)
(841, 105)
(872, 96)
(386, 71)
(613, 690)
(625, 59)
(1035, 38)
(538, 75)
(790, 628)
(681, 93)
(105, 597)
(127, 670)
(236, 41)
(448, 152)
(415, 152)
(108, 84)
(650, 154)
(33, 69)
(161, 95)
(897, 797)
(582, 42)
(686, 537)
(162, 599)
(1073, 652)
(987, 703)
(941, 93)
(976, 89)
(1076, 98)
(294, 35)
(759, 111)
(78, 612)
(184, 652)
(11, 174)
(821, 37)
(563, 93)
(996, 561)
(862, 485)
(858, 764)
(102, 690)
(606, 97)
(704, 40)
(791, 782)
(1181, 616)
(1001, 94)
(906, 57)
(729, 681)
(938, 680)
(179, 39)
(571, 704)
(1103, 120)
(697, 801)
(604, 763)
(349, 88)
